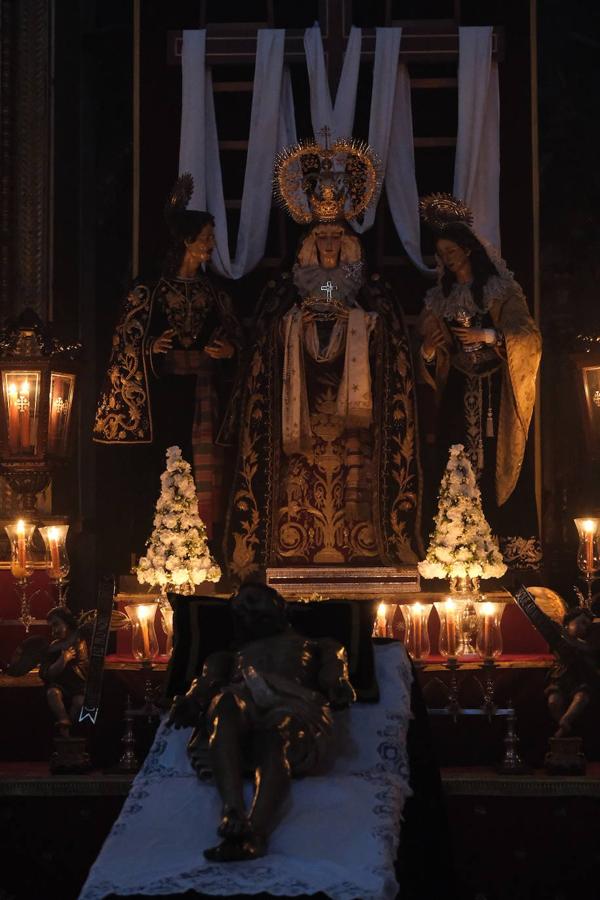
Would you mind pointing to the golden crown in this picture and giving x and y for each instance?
(440, 210)
(326, 184)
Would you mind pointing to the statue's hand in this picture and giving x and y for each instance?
(164, 343)
(184, 712)
(220, 348)
(341, 694)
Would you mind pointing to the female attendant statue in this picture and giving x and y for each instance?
(480, 352)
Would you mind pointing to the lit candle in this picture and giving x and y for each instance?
(23, 402)
(54, 552)
(382, 620)
(418, 623)
(19, 567)
(13, 415)
(589, 529)
(143, 617)
(488, 611)
(451, 626)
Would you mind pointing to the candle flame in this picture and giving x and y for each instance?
(450, 605)
(20, 526)
(25, 387)
(590, 526)
(382, 610)
(145, 611)
(417, 607)
(487, 608)
(12, 389)
(53, 533)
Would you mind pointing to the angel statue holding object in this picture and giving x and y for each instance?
(327, 469)
(174, 357)
(266, 710)
(480, 352)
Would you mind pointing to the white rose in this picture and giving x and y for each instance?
(457, 570)
(443, 554)
(179, 576)
(214, 573)
(431, 569)
(198, 575)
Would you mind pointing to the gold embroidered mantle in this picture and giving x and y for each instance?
(354, 495)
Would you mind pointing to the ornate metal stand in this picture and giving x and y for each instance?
(512, 762)
(128, 761)
(25, 618)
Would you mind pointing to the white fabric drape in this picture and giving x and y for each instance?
(387, 47)
(477, 164)
(271, 128)
(338, 117)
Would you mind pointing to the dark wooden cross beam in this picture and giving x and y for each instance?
(433, 41)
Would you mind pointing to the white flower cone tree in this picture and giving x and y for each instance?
(177, 556)
(462, 544)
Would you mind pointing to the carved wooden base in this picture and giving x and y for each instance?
(70, 756)
(565, 757)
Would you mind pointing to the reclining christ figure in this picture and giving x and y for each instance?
(265, 707)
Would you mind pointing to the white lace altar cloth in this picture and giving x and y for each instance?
(338, 835)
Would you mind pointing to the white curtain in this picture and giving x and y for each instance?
(339, 118)
(477, 165)
(387, 47)
(271, 128)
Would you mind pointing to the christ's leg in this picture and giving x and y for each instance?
(272, 783)
(228, 729)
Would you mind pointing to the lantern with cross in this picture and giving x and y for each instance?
(38, 375)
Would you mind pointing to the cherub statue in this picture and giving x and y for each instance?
(575, 675)
(64, 669)
(266, 709)
(576, 672)
(63, 664)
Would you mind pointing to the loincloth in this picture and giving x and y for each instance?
(270, 702)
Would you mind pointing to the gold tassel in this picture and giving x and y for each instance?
(489, 423)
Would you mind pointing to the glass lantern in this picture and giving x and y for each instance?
(381, 626)
(458, 627)
(588, 553)
(144, 643)
(38, 376)
(489, 631)
(166, 617)
(447, 611)
(20, 534)
(416, 618)
(57, 561)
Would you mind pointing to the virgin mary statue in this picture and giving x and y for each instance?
(327, 470)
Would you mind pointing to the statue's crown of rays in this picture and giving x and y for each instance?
(317, 182)
(440, 210)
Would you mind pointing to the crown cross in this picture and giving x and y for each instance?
(325, 133)
(328, 288)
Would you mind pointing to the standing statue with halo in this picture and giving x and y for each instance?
(480, 352)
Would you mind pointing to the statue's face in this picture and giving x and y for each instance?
(453, 256)
(258, 613)
(328, 239)
(58, 629)
(201, 247)
(579, 627)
